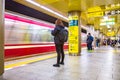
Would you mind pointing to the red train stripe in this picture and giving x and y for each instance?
(18, 52)
(13, 17)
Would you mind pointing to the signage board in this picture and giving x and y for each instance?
(73, 35)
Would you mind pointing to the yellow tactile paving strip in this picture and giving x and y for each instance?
(104, 51)
(29, 61)
(12, 65)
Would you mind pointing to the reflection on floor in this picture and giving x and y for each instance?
(101, 64)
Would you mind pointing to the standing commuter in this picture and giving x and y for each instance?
(119, 41)
(97, 42)
(58, 44)
(89, 41)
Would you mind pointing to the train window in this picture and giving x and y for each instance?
(84, 31)
(18, 32)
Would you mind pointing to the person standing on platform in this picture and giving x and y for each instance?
(97, 42)
(58, 43)
(89, 41)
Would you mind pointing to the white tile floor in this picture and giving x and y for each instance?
(102, 64)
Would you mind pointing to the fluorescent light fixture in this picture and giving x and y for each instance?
(113, 5)
(118, 4)
(107, 23)
(47, 9)
(84, 27)
(108, 26)
(108, 20)
(102, 24)
(106, 17)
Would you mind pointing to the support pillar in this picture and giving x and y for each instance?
(74, 33)
(2, 2)
(1, 78)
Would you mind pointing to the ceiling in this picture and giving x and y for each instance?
(85, 6)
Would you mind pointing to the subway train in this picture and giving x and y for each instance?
(26, 36)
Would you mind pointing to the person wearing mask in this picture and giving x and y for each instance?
(58, 44)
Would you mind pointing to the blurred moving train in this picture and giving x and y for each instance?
(26, 36)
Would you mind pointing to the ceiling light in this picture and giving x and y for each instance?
(106, 17)
(118, 4)
(108, 26)
(47, 9)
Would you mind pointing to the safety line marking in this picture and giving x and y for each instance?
(29, 61)
(113, 51)
(45, 57)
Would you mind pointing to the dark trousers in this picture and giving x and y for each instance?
(60, 52)
(89, 46)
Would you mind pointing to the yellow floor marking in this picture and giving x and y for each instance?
(107, 51)
(31, 61)
(9, 66)
(116, 51)
(42, 58)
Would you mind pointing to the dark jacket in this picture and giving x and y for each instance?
(89, 39)
(55, 33)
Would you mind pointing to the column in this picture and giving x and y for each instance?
(1, 78)
(74, 33)
(1, 37)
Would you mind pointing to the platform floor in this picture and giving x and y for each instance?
(101, 64)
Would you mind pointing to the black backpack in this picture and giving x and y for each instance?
(63, 35)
